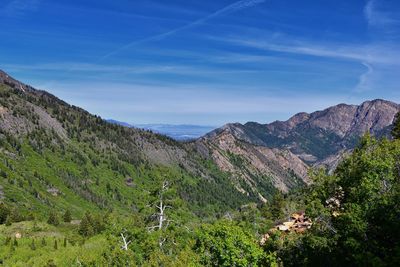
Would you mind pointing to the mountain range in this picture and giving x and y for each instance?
(96, 163)
(285, 150)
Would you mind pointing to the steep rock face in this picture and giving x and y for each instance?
(255, 170)
(321, 134)
(321, 138)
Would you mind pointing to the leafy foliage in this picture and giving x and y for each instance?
(74, 164)
(396, 127)
(355, 212)
(224, 244)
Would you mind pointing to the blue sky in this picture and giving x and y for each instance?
(204, 62)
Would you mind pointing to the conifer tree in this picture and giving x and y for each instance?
(67, 217)
(86, 227)
(53, 219)
(33, 245)
(44, 243)
(396, 126)
(4, 213)
(8, 221)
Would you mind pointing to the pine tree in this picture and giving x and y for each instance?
(277, 205)
(86, 227)
(7, 241)
(53, 219)
(33, 245)
(67, 217)
(4, 213)
(396, 126)
(51, 263)
(9, 221)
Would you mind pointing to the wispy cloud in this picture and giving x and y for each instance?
(378, 58)
(377, 17)
(239, 5)
(17, 8)
(299, 48)
(118, 70)
(365, 80)
(372, 53)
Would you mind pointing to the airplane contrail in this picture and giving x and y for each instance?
(239, 5)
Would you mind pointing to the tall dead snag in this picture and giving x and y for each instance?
(161, 207)
(125, 242)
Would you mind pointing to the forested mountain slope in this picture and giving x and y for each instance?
(80, 158)
(54, 155)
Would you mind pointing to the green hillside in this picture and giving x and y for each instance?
(54, 155)
(78, 191)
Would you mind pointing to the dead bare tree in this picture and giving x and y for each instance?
(161, 207)
(125, 242)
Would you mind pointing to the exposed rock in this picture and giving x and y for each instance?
(10, 81)
(3, 110)
(242, 159)
(53, 191)
(298, 223)
(129, 182)
(1, 193)
(319, 139)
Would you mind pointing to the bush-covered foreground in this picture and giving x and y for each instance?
(355, 214)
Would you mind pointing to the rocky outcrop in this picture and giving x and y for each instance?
(297, 223)
(13, 83)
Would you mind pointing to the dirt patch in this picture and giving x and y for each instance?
(3, 111)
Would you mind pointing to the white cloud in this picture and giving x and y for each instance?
(377, 17)
(379, 59)
(236, 6)
(380, 53)
(365, 80)
(115, 70)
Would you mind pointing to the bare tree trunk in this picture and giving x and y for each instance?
(161, 216)
(125, 242)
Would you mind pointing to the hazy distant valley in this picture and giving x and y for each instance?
(177, 132)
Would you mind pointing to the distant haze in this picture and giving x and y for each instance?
(177, 132)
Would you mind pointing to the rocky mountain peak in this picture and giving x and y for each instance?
(10, 81)
(320, 135)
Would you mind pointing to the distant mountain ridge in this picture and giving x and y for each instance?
(320, 138)
(320, 134)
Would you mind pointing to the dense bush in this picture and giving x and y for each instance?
(356, 212)
(224, 244)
